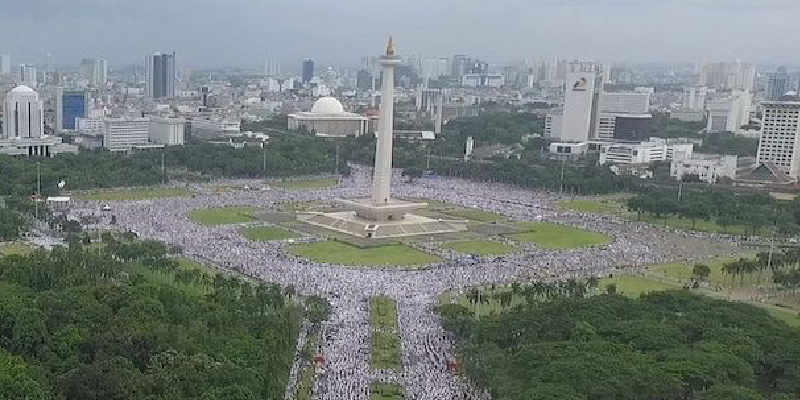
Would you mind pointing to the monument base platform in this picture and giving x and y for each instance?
(351, 223)
(393, 210)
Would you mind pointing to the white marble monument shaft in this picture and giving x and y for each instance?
(382, 175)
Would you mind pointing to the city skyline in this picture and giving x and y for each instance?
(249, 31)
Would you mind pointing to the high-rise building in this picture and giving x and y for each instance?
(363, 79)
(434, 68)
(101, 72)
(729, 113)
(580, 102)
(730, 76)
(5, 64)
(23, 116)
(272, 68)
(694, 97)
(27, 75)
(308, 70)
(459, 66)
(160, 70)
(779, 83)
(624, 115)
(70, 105)
(779, 143)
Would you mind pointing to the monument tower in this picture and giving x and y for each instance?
(380, 215)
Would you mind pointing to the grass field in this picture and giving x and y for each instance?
(342, 253)
(9, 249)
(705, 226)
(617, 207)
(554, 236)
(305, 382)
(134, 194)
(475, 214)
(385, 391)
(480, 247)
(611, 207)
(267, 233)
(385, 351)
(305, 184)
(222, 216)
(382, 313)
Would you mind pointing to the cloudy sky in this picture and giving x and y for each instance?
(244, 32)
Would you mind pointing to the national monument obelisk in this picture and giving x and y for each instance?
(381, 216)
(382, 175)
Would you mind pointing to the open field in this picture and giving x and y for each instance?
(267, 233)
(382, 313)
(222, 216)
(13, 248)
(616, 206)
(305, 184)
(385, 351)
(386, 391)
(342, 253)
(134, 194)
(474, 214)
(554, 236)
(480, 247)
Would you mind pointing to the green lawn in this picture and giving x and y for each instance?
(134, 194)
(790, 317)
(267, 233)
(305, 184)
(611, 207)
(704, 226)
(342, 253)
(382, 312)
(681, 271)
(222, 216)
(9, 249)
(475, 214)
(553, 236)
(385, 351)
(386, 391)
(480, 247)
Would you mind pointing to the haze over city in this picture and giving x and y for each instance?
(399, 200)
(216, 33)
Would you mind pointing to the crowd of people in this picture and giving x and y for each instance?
(345, 344)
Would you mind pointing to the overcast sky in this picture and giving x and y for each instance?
(244, 32)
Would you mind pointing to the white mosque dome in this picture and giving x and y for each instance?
(22, 89)
(327, 105)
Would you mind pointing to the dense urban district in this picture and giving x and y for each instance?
(406, 228)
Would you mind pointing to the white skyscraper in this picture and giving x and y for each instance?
(580, 102)
(272, 68)
(23, 114)
(27, 75)
(694, 97)
(780, 136)
(5, 64)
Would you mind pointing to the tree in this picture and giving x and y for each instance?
(317, 308)
(701, 272)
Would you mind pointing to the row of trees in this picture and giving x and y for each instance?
(752, 211)
(285, 156)
(81, 323)
(662, 346)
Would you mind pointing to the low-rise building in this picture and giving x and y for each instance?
(645, 152)
(125, 134)
(167, 131)
(215, 128)
(707, 167)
